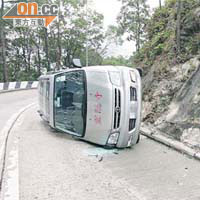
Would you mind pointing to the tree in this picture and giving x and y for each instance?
(160, 4)
(3, 45)
(46, 41)
(75, 28)
(178, 26)
(112, 37)
(120, 60)
(26, 52)
(132, 20)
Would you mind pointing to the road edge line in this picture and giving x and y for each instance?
(4, 136)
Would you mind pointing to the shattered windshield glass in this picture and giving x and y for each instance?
(70, 102)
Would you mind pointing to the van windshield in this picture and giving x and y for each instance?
(70, 102)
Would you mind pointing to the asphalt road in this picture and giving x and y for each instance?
(44, 164)
(11, 102)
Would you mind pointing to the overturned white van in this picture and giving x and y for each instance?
(100, 104)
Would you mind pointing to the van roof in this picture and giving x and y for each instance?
(104, 68)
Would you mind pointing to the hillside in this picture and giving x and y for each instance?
(172, 76)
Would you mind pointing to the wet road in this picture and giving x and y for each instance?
(44, 164)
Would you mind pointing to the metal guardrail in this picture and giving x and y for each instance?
(18, 85)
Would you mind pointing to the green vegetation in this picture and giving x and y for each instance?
(171, 35)
(120, 60)
(163, 38)
(26, 52)
(132, 20)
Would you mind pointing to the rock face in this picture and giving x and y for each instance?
(172, 102)
(171, 91)
(191, 136)
(188, 99)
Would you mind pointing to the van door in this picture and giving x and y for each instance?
(70, 102)
(47, 104)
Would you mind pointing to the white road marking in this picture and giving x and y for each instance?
(11, 187)
(12, 182)
(5, 131)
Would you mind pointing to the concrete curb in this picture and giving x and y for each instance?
(4, 135)
(10, 86)
(160, 137)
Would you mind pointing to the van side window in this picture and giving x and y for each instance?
(70, 102)
(47, 89)
(41, 87)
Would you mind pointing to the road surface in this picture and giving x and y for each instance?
(11, 102)
(44, 164)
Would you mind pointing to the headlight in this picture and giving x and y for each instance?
(115, 78)
(113, 138)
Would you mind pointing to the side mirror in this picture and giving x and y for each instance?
(140, 71)
(76, 63)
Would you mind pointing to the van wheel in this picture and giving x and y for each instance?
(138, 140)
